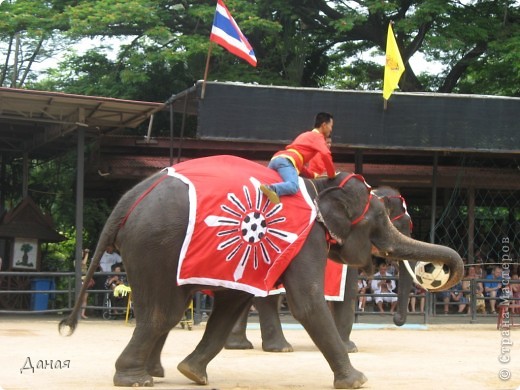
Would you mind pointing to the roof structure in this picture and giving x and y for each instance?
(43, 124)
(27, 220)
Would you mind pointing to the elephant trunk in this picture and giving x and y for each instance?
(403, 293)
(394, 245)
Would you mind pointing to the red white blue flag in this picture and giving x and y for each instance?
(226, 33)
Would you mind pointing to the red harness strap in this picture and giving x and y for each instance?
(330, 240)
(141, 197)
(403, 203)
(367, 205)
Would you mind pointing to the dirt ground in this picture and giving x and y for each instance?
(416, 357)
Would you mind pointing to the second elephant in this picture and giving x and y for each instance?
(273, 339)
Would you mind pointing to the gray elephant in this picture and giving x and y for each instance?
(273, 339)
(149, 226)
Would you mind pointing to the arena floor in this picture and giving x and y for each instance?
(439, 356)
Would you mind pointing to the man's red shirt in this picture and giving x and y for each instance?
(304, 148)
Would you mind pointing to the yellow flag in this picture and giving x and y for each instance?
(394, 66)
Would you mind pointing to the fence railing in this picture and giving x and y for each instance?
(54, 292)
(44, 292)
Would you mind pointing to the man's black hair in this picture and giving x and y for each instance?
(322, 117)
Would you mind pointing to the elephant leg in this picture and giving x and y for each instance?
(140, 360)
(227, 307)
(345, 312)
(154, 366)
(273, 339)
(237, 338)
(308, 306)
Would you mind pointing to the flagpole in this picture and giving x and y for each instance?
(203, 92)
(385, 104)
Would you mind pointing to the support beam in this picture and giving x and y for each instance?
(80, 173)
(25, 175)
(434, 197)
(358, 162)
(471, 225)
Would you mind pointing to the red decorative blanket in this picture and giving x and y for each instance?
(335, 279)
(236, 238)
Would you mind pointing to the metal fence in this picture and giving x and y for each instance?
(53, 292)
(46, 292)
(475, 221)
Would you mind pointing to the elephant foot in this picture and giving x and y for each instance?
(280, 346)
(351, 346)
(399, 320)
(197, 375)
(156, 370)
(354, 380)
(238, 343)
(125, 379)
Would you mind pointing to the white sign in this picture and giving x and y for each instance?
(25, 253)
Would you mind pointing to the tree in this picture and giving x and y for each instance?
(460, 35)
(30, 32)
(310, 43)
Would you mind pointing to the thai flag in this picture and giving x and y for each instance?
(226, 33)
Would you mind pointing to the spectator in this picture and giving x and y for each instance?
(479, 269)
(492, 289)
(99, 284)
(470, 282)
(114, 281)
(362, 289)
(515, 290)
(457, 296)
(384, 287)
(421, 293)
(109, 258)
(445, 296)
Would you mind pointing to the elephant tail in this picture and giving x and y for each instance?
(108, 236)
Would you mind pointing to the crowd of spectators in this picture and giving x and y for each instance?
(483, 281)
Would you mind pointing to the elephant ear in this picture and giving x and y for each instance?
(334, 213)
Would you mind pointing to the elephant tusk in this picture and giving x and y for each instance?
(410, 271)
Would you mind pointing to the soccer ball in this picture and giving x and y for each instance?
(431, 274)
(253, 227)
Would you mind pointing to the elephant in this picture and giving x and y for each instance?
(273, 339)
(150, 222)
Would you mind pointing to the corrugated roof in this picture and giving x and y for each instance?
(43, 123)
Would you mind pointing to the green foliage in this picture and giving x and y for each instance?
(30, 32)
(297, 43)
(151, 49)
(51, 186)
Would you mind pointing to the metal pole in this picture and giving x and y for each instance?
(471, 225)
(431, 301)
(358, 162)
(183, 124)
(80, 167)
(25, 175)
(434, 197)
(171, 133)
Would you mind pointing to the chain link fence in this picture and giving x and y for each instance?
(476, 222)
(480, 221)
